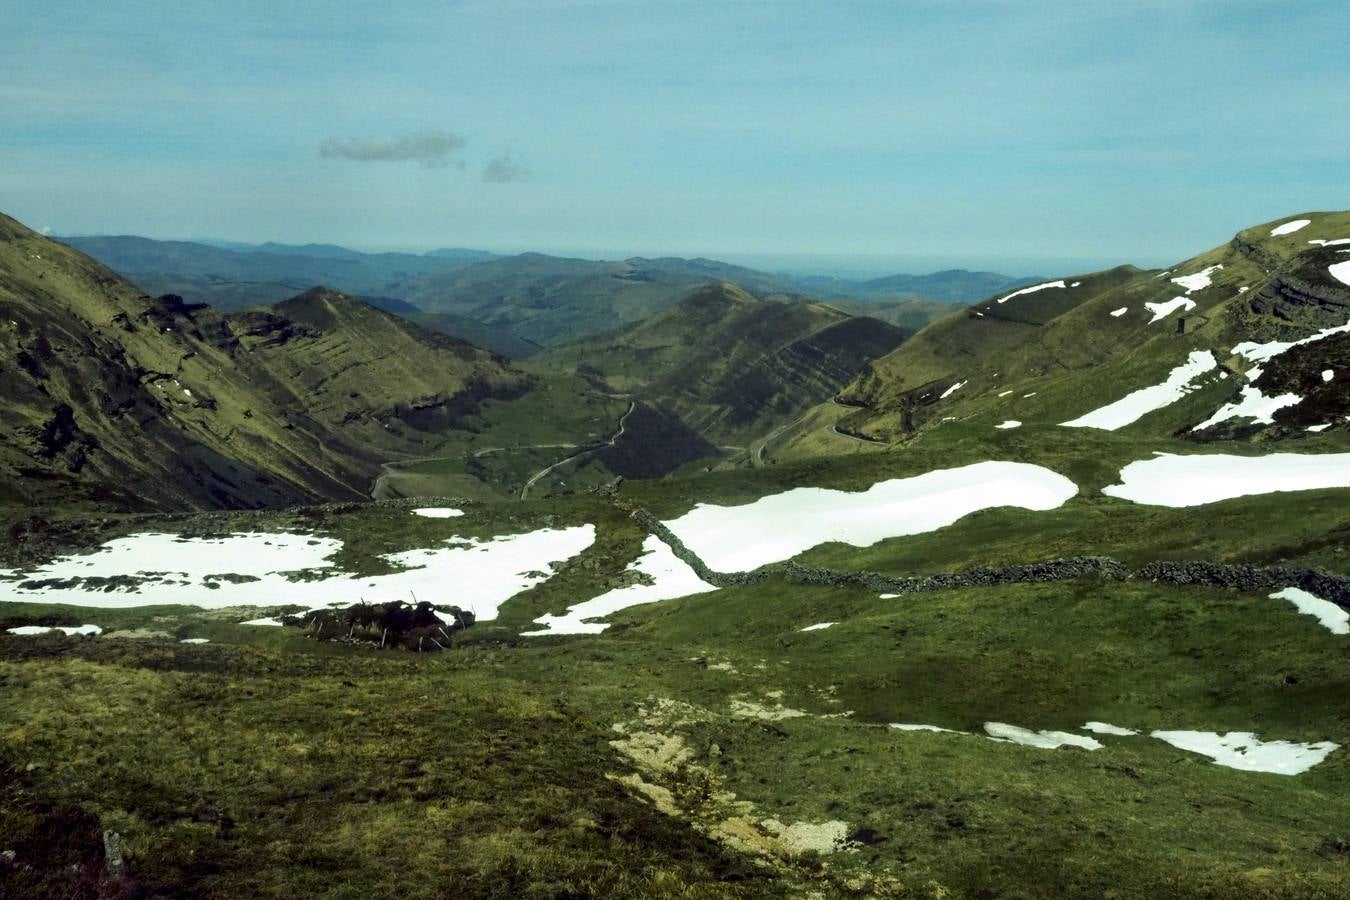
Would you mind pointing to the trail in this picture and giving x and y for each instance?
(378, 487)
(525, 491)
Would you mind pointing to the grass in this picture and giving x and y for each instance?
(264, 764)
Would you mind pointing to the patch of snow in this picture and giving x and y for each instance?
(780, 526)
(1254, 352)
(1334, 243)
(980, 314)
(267, 621)
(1199, 478)
(1075, 284)
(1252, 404)
(1106, 728)
(1242, 750)
(951, 390)
(72, 630)
(1028, 396)
(187, 393)
(819, 626)
(1044, 740)
(905, 726)
(1318, 429)
(438, 512)
(1163, 310)
(1341, 272)
(1136, 405)
(1011, 423)
(1120, 312)
(1244, 289)
(476, 574)
(1290, 227)
(671, 578)
(1031, 290)
(1199, 281)
(195, 641)
(889, 596)
(1005, 393)
(1328, 374)
(1334, 618)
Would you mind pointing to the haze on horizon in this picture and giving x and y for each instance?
(1016, 136)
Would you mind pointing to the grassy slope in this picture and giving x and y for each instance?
(1076, 357)
(185, 408)
(275, 760)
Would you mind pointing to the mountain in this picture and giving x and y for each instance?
(110, 395)
(1078, 344)
(552, 300)
(731, 365)
(239, 276)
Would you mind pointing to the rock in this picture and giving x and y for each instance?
(113, 855)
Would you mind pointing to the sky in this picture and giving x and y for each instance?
(1026, 137)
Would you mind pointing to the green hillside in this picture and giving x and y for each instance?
(1089, 343)
(730, 365)
(110, 395)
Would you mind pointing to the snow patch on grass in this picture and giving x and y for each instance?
(1333, 618)
(1044, 740)
(1120, 312)
(1196, 479)
(438, 512)
(1199, 281)
(1136, 405)
(1011, 423)
(1107, 728)
(166, 569)
(780, 526)
(671, 577)
(1166, 308)
(1031, 290)
(1290, 227)
(1251, 404)
(1243, 750)
(819, 626)
(1341, 272)
(951, 390)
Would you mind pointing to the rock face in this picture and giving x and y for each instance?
(421, 627)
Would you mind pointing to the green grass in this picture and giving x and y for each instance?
(265, 764)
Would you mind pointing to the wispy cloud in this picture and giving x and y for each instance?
(501, 169)
(432, 148)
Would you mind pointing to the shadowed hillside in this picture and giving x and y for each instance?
(730, 365)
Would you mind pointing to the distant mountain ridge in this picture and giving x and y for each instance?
(529, 297)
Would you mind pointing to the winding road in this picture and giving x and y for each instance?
(525, 491)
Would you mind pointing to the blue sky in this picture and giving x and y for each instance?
(1026, 136)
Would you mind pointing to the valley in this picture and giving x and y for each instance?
(770, 599)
